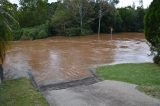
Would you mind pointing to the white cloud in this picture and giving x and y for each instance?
(52, 1)
(122, 3)
(14, 1)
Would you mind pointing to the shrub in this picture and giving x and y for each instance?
(72, 31)
(17, 34)
(86, 31)
(152, 28)
(76, 31)
(156, 59)
(28, 33)
(42, 34)
(32, 33)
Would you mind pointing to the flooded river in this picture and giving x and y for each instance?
(60, 59)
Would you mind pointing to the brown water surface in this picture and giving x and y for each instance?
(60, 59)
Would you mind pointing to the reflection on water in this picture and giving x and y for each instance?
(59, 59)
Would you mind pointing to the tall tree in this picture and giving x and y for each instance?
(6, 22)
(81, 10)
(152, 28)
(33, 12)
(105, 6)
(61, 18)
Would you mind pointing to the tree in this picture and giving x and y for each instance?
(61, 18)
(33, 12)
(104, 6)
(152, 29)
(129, 17)
(140, 18)
(6, 22)
(81, 10)
(73, 17)
(76, 7)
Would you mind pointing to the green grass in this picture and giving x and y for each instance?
(146, 75)
(20, 92)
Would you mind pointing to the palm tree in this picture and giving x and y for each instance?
(6, 22)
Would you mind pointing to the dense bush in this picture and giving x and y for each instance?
(76, 31)
(32, 33)
(17, 34)
(156, 59)
(152, 28)
(86, 31)
(72, 31)
(131, 19)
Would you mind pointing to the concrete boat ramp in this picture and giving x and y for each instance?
(105, 93)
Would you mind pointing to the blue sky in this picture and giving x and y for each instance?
(122, 3)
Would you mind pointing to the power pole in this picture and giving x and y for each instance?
(81, 15)
(99, 26)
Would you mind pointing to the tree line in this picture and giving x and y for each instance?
(39, 19)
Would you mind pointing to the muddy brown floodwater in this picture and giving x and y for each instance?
(60, 59)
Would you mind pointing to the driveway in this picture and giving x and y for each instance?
(105, 93)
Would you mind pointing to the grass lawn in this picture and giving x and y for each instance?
(20, 93)
(146, 75)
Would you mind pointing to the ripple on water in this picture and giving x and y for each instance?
(60, 59)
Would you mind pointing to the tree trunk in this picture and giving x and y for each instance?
(81, 16)
(99, 26)
(1, 72)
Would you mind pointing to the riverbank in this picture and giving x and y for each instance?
(145, 75)
(20, 92)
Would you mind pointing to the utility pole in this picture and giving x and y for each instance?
(81, 15)
(99, 26)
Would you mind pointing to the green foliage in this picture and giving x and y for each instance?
(7, 21)
(118, 23)
(152, 27)
(33, 12)
(132, 20)
(140, 13)
(76, 31)
(72, 15)
(32, 33)
(72, 31)
(67, 17)
(61, 19)
(86, 31)
(156, 59)
(20, 92)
